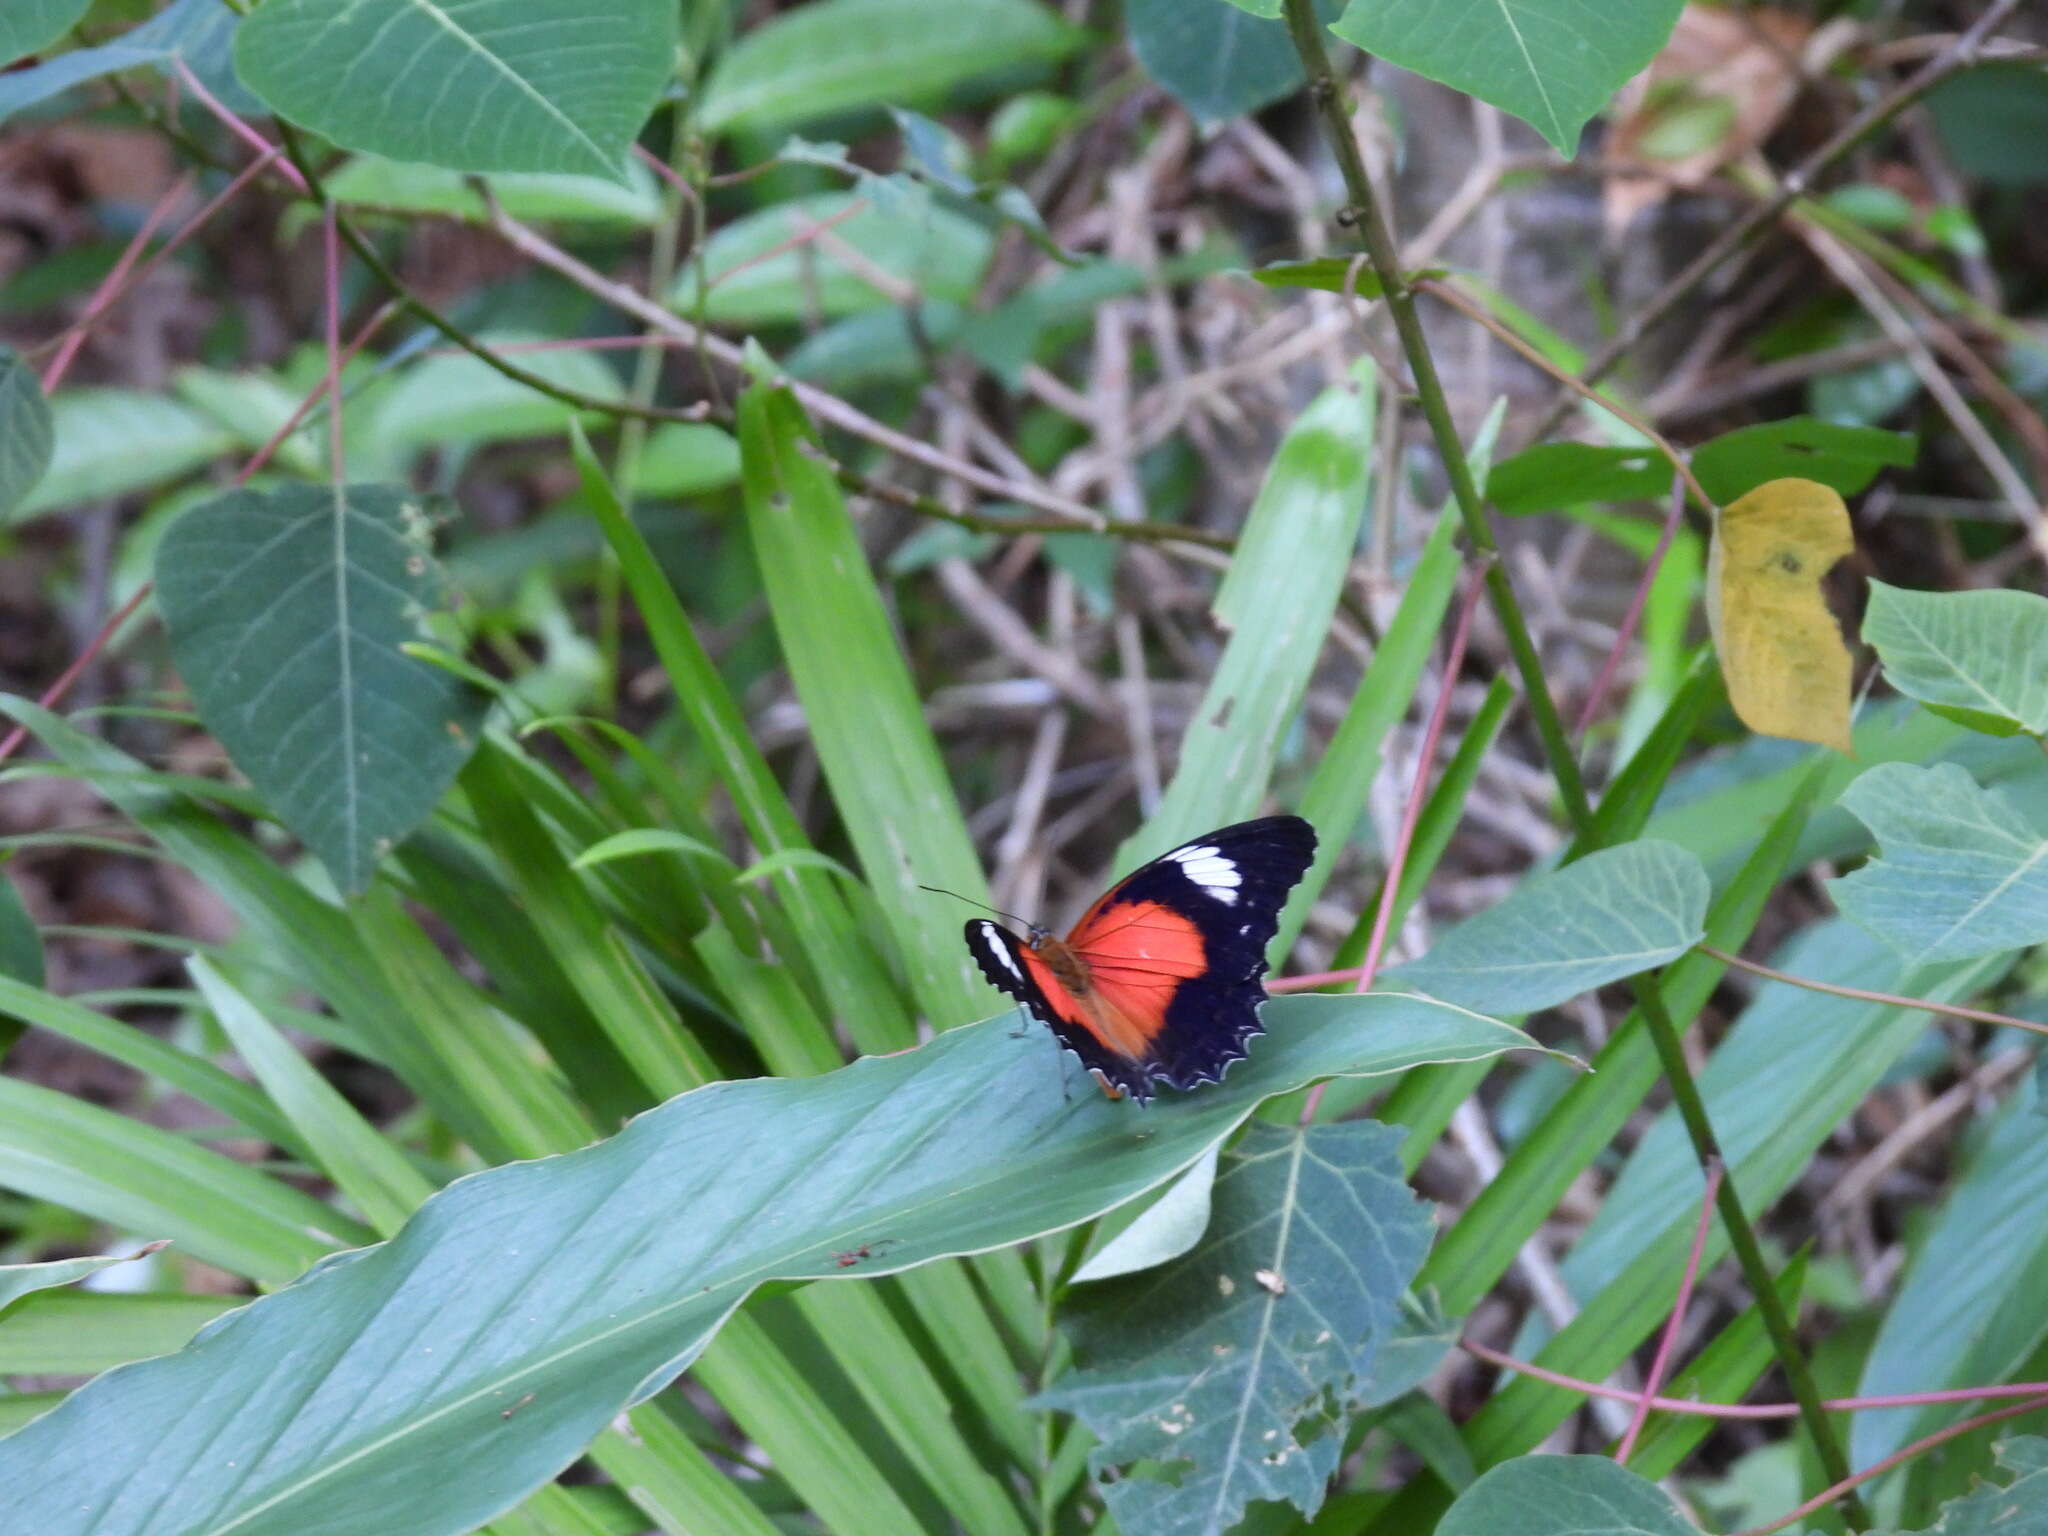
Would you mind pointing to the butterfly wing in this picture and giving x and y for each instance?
(1176, 950)
(1014, 967)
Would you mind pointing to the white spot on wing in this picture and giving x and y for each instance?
(1217, 875)
(991, 937)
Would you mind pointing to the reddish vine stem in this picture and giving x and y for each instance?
(1597, 696)
(330, 248)
(1411, 814)
(233, 122)
(110, 285)
(1662, 1361)
(1897, 1458)
(1695, 1408)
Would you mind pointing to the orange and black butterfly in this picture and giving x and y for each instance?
(1159, 981)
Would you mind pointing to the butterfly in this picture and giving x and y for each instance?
(1159, 980)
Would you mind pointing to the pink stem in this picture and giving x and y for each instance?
(305, 407)
(664, 170)
(1313, 979)
(1474, 585)
(1698, 1409)
(54, 694)
(1626, 633)
(1669, 1342)
(236, 126)
(331, 243)
(1418, 791)
(1828, 1496)
(109, 286)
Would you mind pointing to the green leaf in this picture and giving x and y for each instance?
(81, 1333)
(1598, 919)
(685, 459)
(1211, 1382)
(1552, 63)
(1219, 61)
(19, 1280)
(1844, 458)
(142, 1179)
(286, 610)
(1969, 1308)
(1331, 274)
(532, 196)
(1275, 604)
(201, 32)
(110, 441)
(1961, 872)
(29, 26)
(582, 1291)
(1564, 1496)
(2018, 1508)
(1554, 475)
(473, 85)
(833, 56)
(1164, 1230)
(755, 280)
(462, 398)
(1993, 118)
(369, 1170)
(21, 947)
(1975, 656)
(25, 431)
(861, 705)
(637, 840)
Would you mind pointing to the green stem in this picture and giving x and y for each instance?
(1333, 108)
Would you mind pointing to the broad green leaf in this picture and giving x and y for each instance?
(1976, 656)
(590, 1279)
(25, 431)
(255, 407)
(1843, 458)
(833, 56)
(21, 947)
(2017, 1508)
(1554, 475)
(19, 1280)
(754, 280)
(286, 610)
(473, 85)
(1992, 119)
(1598, 919)
(1564, 1496)
(1210, 1383)
(201, 32)
(1552, 63)
(533, 196)
(28, 26)
(462, 398)
(110, 441)
(1960, 872)
(1275, 604)
(861, 704)
(1219, 61)
(1969, 1309)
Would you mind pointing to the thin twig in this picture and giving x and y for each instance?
(1845, 1487)
(1662, 1361)
(330, 248)
(110, 286)
(1889, 999)
(1597, 695)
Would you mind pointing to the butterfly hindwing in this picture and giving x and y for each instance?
(1014, 967)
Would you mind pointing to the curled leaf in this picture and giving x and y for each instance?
(1781, 650)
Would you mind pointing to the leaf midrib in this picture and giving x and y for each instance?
(526, 87)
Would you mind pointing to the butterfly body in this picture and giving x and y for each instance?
(1158, 983)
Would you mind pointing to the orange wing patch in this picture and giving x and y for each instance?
(1138, 955)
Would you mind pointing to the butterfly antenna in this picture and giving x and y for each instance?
(937, 890)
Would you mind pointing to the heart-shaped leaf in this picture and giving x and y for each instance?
(474, 85)
(286, 611)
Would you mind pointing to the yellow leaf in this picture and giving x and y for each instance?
(1781, 650)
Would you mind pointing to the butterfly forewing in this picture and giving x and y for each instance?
(1172, 956)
